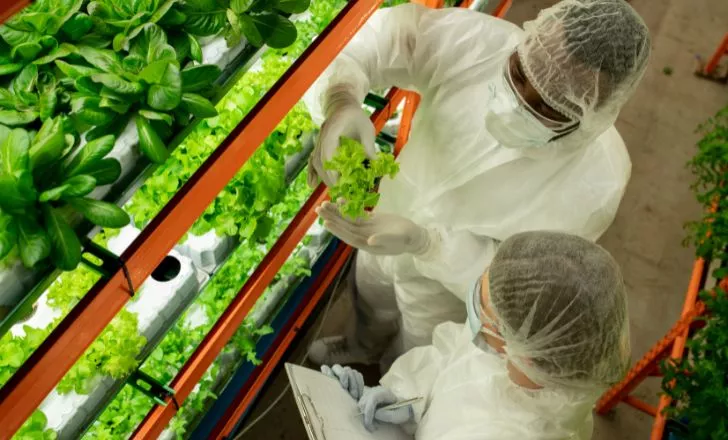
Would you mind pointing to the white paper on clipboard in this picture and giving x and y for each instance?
(329, 412)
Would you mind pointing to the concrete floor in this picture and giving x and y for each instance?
(658, 126)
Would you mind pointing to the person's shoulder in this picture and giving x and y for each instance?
(468, 16)
(609, 149)
(459, 18)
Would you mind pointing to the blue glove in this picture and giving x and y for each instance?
(351, 380)
(377, 397)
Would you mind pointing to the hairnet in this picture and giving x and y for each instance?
(560, 305)
(585, 58)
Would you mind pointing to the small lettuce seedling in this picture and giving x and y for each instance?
(358, 177)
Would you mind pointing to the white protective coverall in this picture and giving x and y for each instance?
(555, 306)
(468, 395)
(454, 176)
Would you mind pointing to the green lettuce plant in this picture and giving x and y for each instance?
(39, 29)
(112, 354)
(35, 428)
(121, 21)
(129, 407)
(147, 84)
(259, 21)
(17, 349)
(34, 94)
(355, 191)
(242, 206)
(42, 185)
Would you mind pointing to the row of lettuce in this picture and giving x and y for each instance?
(77, 71)
(255, 206)
(699, 382)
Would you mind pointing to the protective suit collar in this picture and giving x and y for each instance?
(469, 395)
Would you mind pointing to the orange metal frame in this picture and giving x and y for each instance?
(225, 327)
(10, 7)
(246, 396)
(714, 60)
(191, 373)
(672, 345)
(37, 377)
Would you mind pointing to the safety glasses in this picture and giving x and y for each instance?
(477, 315)
(559, 127)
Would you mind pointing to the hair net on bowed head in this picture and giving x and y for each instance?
(561, 308)
(585, 58)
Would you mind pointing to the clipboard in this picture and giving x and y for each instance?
(328, 411)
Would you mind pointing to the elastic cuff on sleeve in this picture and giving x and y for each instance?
(339, 96)
(433, 246)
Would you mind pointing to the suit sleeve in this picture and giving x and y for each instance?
(408, 46)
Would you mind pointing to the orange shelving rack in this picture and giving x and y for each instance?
(223, 330)
(672, 346)
(10, 7)
(22, 394)
(244, 399)
(711, 68)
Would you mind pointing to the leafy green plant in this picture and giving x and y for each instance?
(146, 84)
(112, 354)
(42, 185)
(70, 287)
(240, 210)
(129, 407)
(35, 428)
(122, 21)
(259, 21)
(39, 29)
(17, 349)
(709, 235)
(699, 384)
(179, 343)
(33, 94)
(358, 177)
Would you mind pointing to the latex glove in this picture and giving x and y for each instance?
(379, 396)
(379, 234)
(344, 117)
(351, 380)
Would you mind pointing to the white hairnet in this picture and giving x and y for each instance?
(561, 307)
(585, 58)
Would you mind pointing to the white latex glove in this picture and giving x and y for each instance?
(379, 234)
(351, 380)
(377, 397)
(344, 117)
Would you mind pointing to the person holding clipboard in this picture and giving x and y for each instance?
(547, 332)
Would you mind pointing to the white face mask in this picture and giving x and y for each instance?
(510, 123)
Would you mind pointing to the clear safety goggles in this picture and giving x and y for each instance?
(478, 320)
(558, 127)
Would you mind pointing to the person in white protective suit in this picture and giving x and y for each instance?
(514, 132)
(547, 332)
